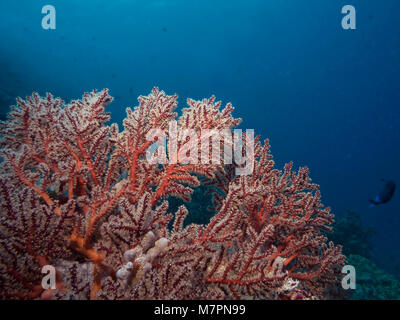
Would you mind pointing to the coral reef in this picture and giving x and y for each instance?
(352, 234)
(372, 283)
(81, 196)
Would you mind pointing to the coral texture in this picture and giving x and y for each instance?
(80, 195)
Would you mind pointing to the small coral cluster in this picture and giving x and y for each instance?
(140, 259)
(79, 195)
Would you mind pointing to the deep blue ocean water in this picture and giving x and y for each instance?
(326, 97)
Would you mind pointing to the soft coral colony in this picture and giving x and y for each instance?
(79, 195)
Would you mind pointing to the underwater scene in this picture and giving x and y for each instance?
(190, 150)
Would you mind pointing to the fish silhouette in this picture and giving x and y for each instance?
(385, 195)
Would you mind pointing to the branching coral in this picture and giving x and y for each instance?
(80, 195)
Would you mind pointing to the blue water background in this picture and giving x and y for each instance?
(326, 97)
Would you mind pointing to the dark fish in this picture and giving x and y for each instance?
(385, 195)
